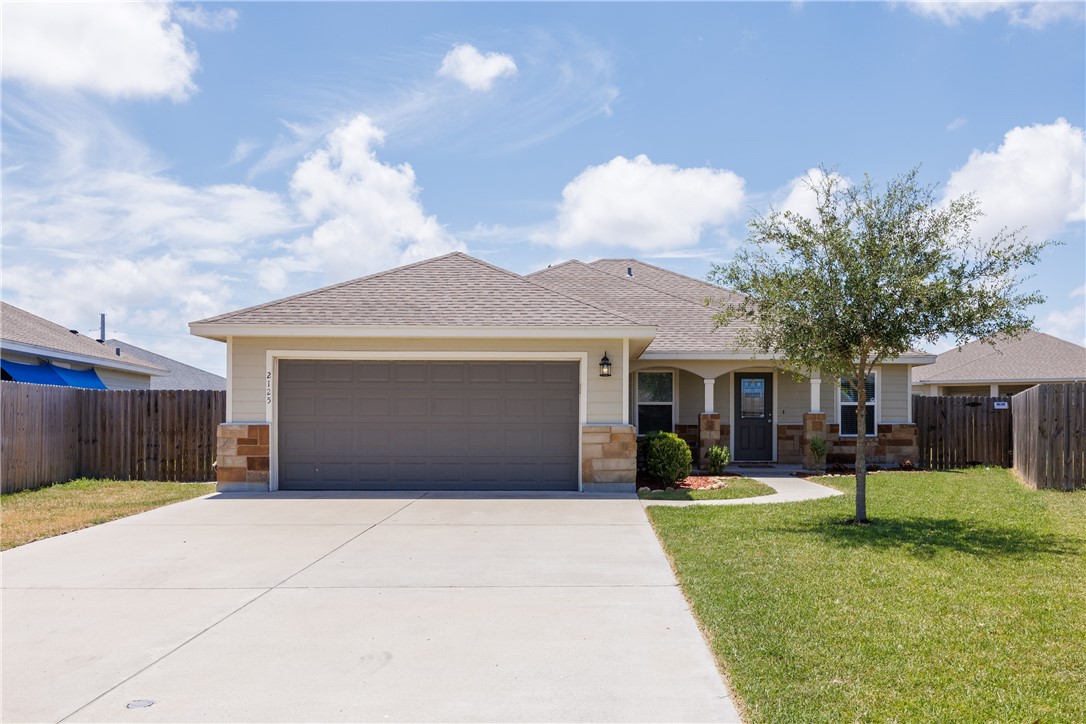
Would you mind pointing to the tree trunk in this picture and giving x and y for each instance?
(861, 452)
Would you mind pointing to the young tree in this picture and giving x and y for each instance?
(875, 272)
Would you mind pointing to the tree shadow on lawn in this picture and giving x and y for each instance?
(925, 537)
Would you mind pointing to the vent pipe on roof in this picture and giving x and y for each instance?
(74, 331)
(102, 329)
(117, 350)
(629, 271)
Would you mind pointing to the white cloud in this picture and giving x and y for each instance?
(119, 50)
(1034, 179)
(1035, 15)
(957, 123)
(367, 214)
(799, 196)
(475, 70)
(641, 205)
(198, 16)
(242, 150)
(1069, 323)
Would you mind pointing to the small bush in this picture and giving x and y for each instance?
(718, 458)
(668, 457)
(818, 449)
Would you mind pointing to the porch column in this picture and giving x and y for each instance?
(993, 390)
(710, 383)
(816, 392)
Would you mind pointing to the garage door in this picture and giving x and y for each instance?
(428, 425)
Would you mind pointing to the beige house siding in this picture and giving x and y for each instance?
(792, 399)
(691, 397)
(248, 366)
(121, 380)
(894, 389)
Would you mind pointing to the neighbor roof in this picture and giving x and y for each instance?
(452, 290)
(21, 331)
(682, 325)
(1033, 357)
(180, 376)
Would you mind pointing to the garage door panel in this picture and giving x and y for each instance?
(428, 425)
(409, 372)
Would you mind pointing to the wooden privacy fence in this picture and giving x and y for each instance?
(1050, 436)
(52, 434)
(960, 431)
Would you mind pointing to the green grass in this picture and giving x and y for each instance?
(965, 600)
(737, 488)
(35, 514)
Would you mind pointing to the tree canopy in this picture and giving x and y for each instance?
(876, 272)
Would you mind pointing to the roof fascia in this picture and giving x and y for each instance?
(733, 356)
(81, 358)
(222, 331)
(993, 380)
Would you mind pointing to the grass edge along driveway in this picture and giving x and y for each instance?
(31, 515)
(965, 601)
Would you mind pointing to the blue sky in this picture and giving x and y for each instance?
(164, 163)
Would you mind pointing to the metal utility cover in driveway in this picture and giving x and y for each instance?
(372, 425)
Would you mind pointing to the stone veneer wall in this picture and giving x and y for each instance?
(608, 457)
(790, 444)
(708, 436)
(896, 442)
(243, 457)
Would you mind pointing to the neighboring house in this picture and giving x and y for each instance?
(454, 373)
(1007, 368)
(179, 376)
(36, 350)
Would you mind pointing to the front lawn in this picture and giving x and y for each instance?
(34, 514)
(737, 488)
(964, 601)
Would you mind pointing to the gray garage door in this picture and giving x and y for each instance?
(428, 425)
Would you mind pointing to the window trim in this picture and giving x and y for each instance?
(871, 403)
(674, 397)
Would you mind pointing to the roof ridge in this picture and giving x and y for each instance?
(337, 285)
(626, 278)
(534, 283)
(666, 271)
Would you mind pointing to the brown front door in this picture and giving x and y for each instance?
(753, 416)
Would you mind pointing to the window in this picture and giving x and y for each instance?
(655, 402)
(848, 407)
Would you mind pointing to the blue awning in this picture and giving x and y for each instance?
(50, 375)
(87, 379)
(37, 374)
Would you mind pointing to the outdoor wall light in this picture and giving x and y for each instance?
(605, 366)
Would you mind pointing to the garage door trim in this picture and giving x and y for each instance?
(271, 397)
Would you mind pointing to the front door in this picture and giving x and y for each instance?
(753, 416)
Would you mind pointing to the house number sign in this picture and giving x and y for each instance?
(268, 390)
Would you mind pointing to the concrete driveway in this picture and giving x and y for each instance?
(356, 607)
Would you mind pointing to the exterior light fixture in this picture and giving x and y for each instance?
(605, 366)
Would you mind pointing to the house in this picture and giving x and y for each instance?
(1005, 368)
(178, 376)
(454, 373)
(36, 350)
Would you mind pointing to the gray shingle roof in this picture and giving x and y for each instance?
(180, 376)
(1033, 357)
(452, 290)
(682, 324)
(664, 280)
(21, 327)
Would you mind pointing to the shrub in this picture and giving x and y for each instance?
(668, 457)
(718, 458)
(818, 449)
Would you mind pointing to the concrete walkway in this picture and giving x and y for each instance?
(790, 489)
(356, 607)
